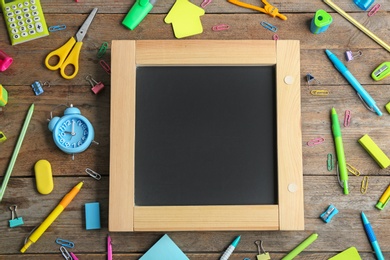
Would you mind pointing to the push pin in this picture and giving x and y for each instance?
(96, 86)
(262, 254)
(310, 78)
(15, 221)
(349, 55)
(37, 87)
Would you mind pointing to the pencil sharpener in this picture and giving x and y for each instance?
(329, 214)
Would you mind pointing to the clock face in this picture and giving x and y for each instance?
(73, 134)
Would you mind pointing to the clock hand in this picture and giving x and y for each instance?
(73, 133)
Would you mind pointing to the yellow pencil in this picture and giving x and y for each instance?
(52, 216)
(357, 24)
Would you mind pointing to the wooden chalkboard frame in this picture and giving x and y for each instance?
(127, 55)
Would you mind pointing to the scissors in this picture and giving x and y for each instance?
(68, 54)
(268, 8)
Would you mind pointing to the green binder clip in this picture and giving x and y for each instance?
(15, 221)
(137, 13)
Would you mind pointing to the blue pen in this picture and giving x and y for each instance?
(230, 249)
(371, 236)
(353, 81)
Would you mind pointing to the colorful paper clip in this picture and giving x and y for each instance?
(364, 186)
(205, 3)
(353, 170)
(374, 10)
(65, 243)
(329, 214)
(347, 118)
(105, 66)
(55, 28)
(329, 162)
(65, 253)
(350, 56)
(269, 26)
(315, 141)
(93, 174)
(102, 50)
(220, 27)
(319, 92)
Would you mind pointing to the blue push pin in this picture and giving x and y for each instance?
(15, 221)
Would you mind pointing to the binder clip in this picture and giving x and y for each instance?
(350, 56)
(260, 249)
(37, 87)
(96, 86)
(15, 221)
(329, 214)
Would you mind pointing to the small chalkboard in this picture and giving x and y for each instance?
(205, 135)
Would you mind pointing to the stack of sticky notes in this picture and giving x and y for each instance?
(376, 153)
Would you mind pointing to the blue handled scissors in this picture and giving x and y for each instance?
(69, 53)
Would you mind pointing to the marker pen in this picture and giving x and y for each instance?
(137, 13)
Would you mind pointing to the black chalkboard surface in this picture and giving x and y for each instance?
(205, 136)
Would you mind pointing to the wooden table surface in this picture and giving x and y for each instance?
(320, 185)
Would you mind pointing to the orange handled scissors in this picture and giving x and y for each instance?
(268, 8)
(68, 54)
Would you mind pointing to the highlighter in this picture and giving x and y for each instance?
(137, 13)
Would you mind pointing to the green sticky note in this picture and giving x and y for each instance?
(348, 254)
(185, 19)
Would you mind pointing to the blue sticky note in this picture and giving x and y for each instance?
(164, 249)
(92, 215)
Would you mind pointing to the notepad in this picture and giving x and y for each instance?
(348, 254)
(164, 249)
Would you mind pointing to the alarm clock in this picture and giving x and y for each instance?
(72, 133)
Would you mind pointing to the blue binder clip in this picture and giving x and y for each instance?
(329, 214)
(15, 220)
(37, 87)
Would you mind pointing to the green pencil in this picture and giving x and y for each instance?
(16, 151)
(296, 251)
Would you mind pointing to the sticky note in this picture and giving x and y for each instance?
(348, 254)
(164, 249)
(376, 153)
(185, 18)
(92, 215)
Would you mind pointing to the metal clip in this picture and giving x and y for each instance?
(364, 186)
(347, 118)
(93, 174)
(15, 220)
(105, 66)
(96, 86)
(269, 26)
(319, 92)
(65, 243)
(220, 27)
(329, 162)
(350, 56)
(205, 3)
(353, 170)
(374, 10)
(102, 50)
(315, 141)
(65, 253)
(55, 28)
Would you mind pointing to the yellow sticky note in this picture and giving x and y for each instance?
(185, 19)
(376, 153)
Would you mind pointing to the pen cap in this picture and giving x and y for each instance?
(137, 13)
(5, 61)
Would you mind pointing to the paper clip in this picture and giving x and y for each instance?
(65, 253)
(220, 27)
(329, 214)
(374, 10)
(275, 37)
(105, 66)
(65, 243)
(364, 186)
(329, 162)
(319, 92)
(347, 118)
(350, 56)
(102, 50)
(353, 170)
(93, 174)
(269, 26)
(205, 3)
(315, 141)
(55, 28)
(310, 78)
